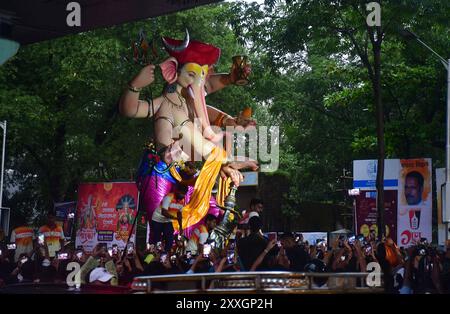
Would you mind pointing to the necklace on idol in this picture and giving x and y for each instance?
(181, 98)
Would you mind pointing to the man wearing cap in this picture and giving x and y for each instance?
(100, 276)
(99, 259)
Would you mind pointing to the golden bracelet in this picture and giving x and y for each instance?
(133, 89)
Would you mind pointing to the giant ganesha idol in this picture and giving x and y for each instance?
(189, 76)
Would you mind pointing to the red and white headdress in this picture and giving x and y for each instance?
(186, 51)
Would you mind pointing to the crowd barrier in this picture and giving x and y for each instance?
(255, 282)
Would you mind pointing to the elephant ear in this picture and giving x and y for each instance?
(169, 70)
(210, 70)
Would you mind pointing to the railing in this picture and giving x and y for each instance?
(255, 282)
(62, 288)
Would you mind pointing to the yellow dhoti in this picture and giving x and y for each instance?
(198, 205)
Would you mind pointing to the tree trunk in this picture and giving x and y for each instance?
(380, 137)
(57, 182)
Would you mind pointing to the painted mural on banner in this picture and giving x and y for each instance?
(411, 180)
(366, 213)
(105, 214)
(415, 201)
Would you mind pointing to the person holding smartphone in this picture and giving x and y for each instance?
(23, 238)
(53, 235)
(24, 270)
(170, 209)
(99, 259)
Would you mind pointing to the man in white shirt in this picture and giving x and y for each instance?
(255, 209)
(22, 237)
(171, 207)
(200, 235)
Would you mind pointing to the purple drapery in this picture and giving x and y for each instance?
(155, 187)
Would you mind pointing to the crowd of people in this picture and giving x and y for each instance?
(417, 269)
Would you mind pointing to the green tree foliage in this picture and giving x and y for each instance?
(60, 97)
(313, 74)
(60, 100)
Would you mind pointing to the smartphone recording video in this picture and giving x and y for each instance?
(272, 236)
(130, 249)
(352, 239)
(63, 256)
(230, 257)
(206, 250)
(41, 239)
(11, 246)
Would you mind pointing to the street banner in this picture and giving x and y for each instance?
(105, 214)
(410, 179)
(65, 213)
(415, 201)
(366, 213)
(365, 174)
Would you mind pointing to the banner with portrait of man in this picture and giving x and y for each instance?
(105, 214)
(407, 194)
(414, 201)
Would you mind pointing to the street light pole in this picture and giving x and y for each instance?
(446, 210)
(3, 126)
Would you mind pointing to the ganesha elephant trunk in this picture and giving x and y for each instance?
(197, 96)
